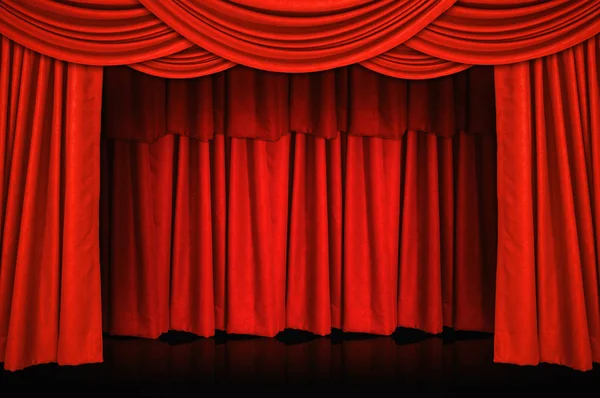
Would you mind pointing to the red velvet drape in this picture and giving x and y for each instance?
(49, 127)
(49, 200)
(549, 190)
(403, 38)
(251, 237)
(248, 103)
(309, 231)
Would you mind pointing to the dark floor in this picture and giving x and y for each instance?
(407, 359)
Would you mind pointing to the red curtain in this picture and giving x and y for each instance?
(371, 131)
(302, 38)
(248, 103)
(307, 231)
(514, 30)
(403, 38)
(549, 188)
(251, 237)
(50, 307)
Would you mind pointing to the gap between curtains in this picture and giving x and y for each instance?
(252, 237)
(249, 103)
(314, 231)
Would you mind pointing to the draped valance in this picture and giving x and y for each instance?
(414, 39)
(266, 196)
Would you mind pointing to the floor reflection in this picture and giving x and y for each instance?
(407, 358)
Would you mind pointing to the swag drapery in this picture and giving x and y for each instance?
(236, 178)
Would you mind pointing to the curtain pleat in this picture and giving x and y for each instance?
(253, 237)
(417, 39)
(249, 103)
(548, 150)
(49, 195)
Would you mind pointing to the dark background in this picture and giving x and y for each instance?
(409, 360)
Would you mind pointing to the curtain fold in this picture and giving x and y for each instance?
(403, 62)
(248, 103)
(252, 237)
(549, 185)
(415, 39)
(50, 309)
(190, 63)
(258, 228)
(113, 32)
(349, 198)
(514, 31)
(296, 39)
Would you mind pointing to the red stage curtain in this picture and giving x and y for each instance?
(49, 201)
(549, 193)
(513, 31)
(92, 32)
(547, 165)
(403, 38)
(403, 62)
(195, 62)
(253, 236)
(303, 38)
(249, 103)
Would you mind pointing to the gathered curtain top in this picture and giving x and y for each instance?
(411, 39)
